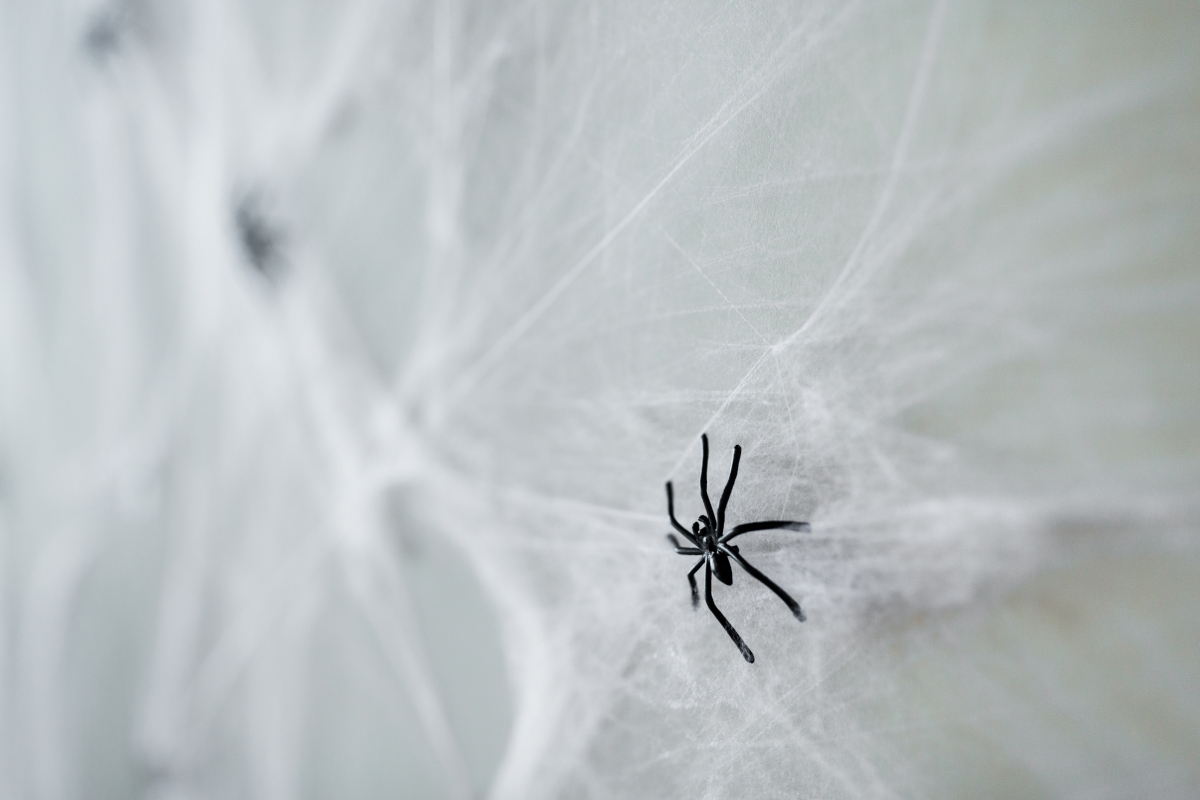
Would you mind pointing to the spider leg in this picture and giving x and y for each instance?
(687, 551)
(765, 581)
(671, 514)
(704, 481)
(751, 527)
(737, 456)
(721, 617)
(692, 583)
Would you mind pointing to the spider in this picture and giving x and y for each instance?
(710, 543)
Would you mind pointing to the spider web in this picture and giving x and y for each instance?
(347, 348)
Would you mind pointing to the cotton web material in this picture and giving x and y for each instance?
(341, 342)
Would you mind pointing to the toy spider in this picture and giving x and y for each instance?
(710, 545)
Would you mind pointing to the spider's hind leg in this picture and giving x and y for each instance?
(692, 583)
(792, 605)
(749, 656)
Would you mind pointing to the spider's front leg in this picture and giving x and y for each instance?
(737, 456)
(683, 551)
(704, 480)
(671, 514)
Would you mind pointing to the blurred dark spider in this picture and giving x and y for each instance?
(710, 540)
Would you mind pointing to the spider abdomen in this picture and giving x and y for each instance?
(721, 567)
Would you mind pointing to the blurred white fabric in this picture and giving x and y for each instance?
(345, 349)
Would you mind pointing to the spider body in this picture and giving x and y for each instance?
(709, 541)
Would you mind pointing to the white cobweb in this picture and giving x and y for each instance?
(293, 292)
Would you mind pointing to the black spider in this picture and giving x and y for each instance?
(710, 545)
